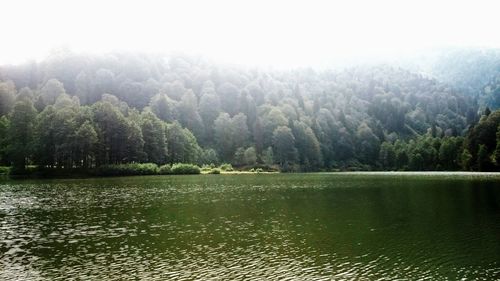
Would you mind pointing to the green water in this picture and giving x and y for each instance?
(252, 227)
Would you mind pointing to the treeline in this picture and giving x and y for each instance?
(76, 111)
(475, 71)
(479, 150)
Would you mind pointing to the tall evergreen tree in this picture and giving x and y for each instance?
(21, 133)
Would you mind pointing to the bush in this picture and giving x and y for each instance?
(165, 170)
(226, 167)
(214, 171)
(185, 169)
(206, 168)
(4, 170)
(127, 169)
(265, 168)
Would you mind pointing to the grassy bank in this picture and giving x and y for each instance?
(131, 169)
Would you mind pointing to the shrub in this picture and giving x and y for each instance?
(4, 170)
(206, 168)
(185, 169)
(214, 171)
(226, 167)
(127, 169)
(165, 170)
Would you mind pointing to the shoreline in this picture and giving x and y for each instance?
(459, 174)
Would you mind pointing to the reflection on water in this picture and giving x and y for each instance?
(278, 227)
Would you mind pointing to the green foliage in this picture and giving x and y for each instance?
(496, 154)
(387, 155)
(226, 167)
(21, 134)
(449, 152)
(183, 147)
(130, 169)
(250, 156)
(239, 157)
(4, 140)
(308, 146)
(51, 91)
(7, 97)
(209, 156)
(153, 133)
(214, 171)
(206, 168)
(163, 107)
(185, 169)
(230, 133)
(4, 170)
(483, 159)
(466, 160)
(124, 108)
(165, 169)
(284, 147)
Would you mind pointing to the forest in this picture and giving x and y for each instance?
(76, 111)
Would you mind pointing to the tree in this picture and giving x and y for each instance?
(483, 159)
(270, 121)
(308, 146)
(387, 155)
(250, 156)
(153, 133)
(51, 90)
(465, 160)
(209, 106)
(4, 140)
(86, 140)
(7, 97)
(239, 157)
(284, 147)
(209, 156)
(369, 144)
(229, 94)
(209, 109)
(64, 127)
(416, 162)
(163, 107)
(21, 130)
(448, 153)
(135, 142)
(111, 128)
(268, 156)
(188, 114)
(496, 154)
(367, 116)
(223, 136)
(182, 145)
(239, 129)
(84, 88)
(487, 112)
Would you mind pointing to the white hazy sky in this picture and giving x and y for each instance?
(254, 32)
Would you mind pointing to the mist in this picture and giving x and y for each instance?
(277, 34)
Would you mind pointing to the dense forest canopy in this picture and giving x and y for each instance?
(476, 72)
(81, 111)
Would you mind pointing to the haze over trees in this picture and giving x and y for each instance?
(79, 111)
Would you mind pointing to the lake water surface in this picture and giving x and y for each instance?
(252, 227)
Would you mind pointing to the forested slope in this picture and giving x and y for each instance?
(75, 110)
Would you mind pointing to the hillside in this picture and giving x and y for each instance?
(86, 111)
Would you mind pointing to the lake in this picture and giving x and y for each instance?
(341, 226)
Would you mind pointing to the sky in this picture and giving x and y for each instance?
(256, 32)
